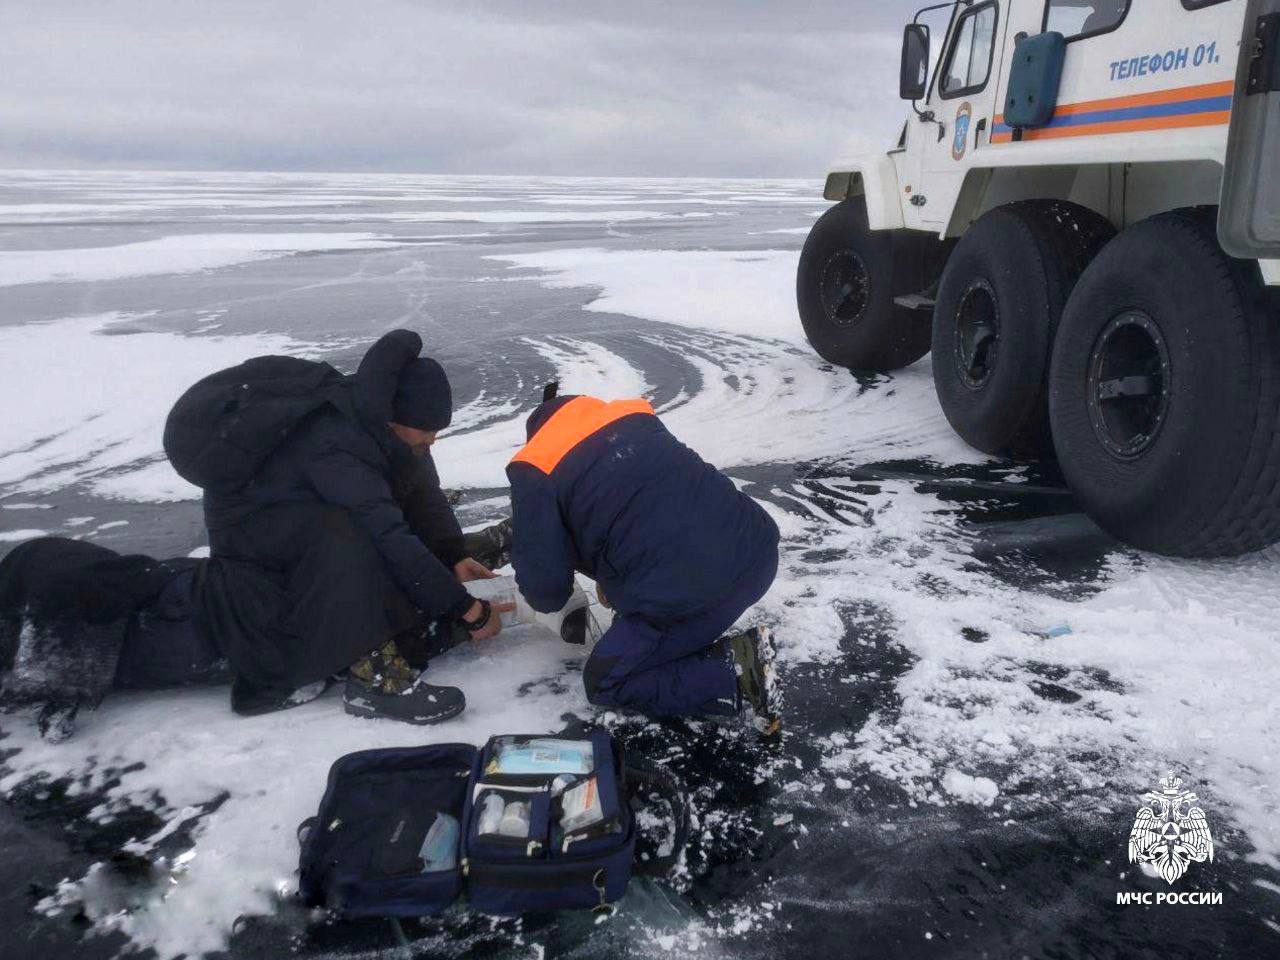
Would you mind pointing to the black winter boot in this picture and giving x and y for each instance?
(384, 684)
(250, 701)
(422, 703)
(492, 545)
(753, 659)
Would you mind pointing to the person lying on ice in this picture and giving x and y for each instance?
(675, 549)
(341, 553)
(78, 621)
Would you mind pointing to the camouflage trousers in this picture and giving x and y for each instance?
(385, 670)
(394, 666)
(388, 669)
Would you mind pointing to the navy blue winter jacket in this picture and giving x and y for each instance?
(344, 455)
(604, 488)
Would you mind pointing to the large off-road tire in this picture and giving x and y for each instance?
(1165, 392)
(845, 285)
(1001, 295)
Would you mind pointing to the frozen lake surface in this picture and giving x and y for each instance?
(980, 685)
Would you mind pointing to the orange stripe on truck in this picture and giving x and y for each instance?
(1224, 89)
(570, 425)
(1202, 105)
(1122, 126)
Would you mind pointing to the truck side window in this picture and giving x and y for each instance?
(969, 60)
(1077, 19)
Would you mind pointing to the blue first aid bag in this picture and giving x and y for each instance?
(365, 853)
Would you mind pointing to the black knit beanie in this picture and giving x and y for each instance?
(423, 398)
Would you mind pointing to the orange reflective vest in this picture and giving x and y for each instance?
(570, 425)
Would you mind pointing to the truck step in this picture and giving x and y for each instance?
(915, 301)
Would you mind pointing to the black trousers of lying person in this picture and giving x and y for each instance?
(78, 620)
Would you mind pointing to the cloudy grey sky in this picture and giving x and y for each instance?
(645, 87)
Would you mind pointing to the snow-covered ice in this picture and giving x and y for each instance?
(977, 695)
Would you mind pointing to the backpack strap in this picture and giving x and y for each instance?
(646, 777)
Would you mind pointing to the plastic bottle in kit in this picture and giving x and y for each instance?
(492, 809)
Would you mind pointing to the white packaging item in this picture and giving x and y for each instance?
(503, 590)
(492, 808)
(580, 806)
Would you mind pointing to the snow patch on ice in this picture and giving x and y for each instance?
(591, 368)
(737, 291)
(770, 402)
(977, 790)
(187, 253)
(478, 458)
(94, 404)
(17, 536)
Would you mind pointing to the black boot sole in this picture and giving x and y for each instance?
(361, 707)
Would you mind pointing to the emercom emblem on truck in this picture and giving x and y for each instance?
(960, 140)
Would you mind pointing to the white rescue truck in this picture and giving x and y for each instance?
(1081, 219)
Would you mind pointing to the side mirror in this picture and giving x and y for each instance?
(913, 80)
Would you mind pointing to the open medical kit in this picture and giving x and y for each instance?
(524, 823)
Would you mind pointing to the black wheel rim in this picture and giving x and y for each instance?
(1128, 384)
(846, 288)
(977, 323)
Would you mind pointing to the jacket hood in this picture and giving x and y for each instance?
(378, 375)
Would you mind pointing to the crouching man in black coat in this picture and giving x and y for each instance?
(342, 552)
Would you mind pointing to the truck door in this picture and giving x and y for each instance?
(963, 101)
(1249, 214)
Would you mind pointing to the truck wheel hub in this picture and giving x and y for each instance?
(846, 287)
(1128, 384)
(977, 334)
